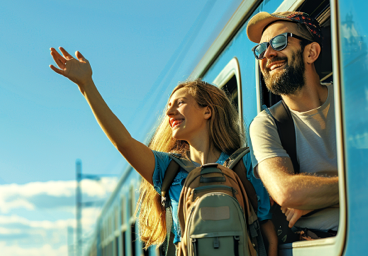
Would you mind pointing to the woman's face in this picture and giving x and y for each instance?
(186, 118)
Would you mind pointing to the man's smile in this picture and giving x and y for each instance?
(275, 65)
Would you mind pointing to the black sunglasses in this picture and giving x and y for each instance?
(278, 43)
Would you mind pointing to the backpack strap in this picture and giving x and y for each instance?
(235, 157)
(170, 174)
(235, 163)
(285, 128)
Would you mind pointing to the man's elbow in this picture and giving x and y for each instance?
(287, 197)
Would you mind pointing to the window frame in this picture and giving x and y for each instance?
(231, 69)
(333, 245)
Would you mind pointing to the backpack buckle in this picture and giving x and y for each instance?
(209, 165)
(164, 202)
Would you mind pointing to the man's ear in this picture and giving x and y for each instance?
(312, 52)
(207, 113)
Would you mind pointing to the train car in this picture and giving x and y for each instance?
(229, 63)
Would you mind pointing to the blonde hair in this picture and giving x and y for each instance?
(225, 135)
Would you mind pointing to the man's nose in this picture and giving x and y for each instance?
(270, 52)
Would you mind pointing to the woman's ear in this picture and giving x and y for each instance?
(312, 52)
(207, 113)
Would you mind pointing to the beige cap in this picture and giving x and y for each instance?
(257, 24)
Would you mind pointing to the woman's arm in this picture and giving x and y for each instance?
(269, 233)
(79, 71)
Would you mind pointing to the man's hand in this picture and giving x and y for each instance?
(77, 70)
(293, 215)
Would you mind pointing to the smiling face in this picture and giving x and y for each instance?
(186, 118)
(283, 71)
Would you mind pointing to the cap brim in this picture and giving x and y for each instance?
(257, 24)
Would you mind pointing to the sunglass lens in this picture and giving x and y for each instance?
(279, 42)
(260, 50)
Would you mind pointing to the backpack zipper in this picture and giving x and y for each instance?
(204, 188)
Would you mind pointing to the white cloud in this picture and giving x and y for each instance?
(16, 250)
(8, 231)
(13, 196)
(17, 203)
(59, 188)
(35, 217)
(44, 224)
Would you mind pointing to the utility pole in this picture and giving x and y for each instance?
(71, 246)
(80, 204)
(78, 209)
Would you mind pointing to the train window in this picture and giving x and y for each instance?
(123, 239)
(116, 230)
(122, 211)
(117, 245)
(123, 225)
(110, 225)
(146, 252)
(230, 81)
(321, 11)
(131, 202)
(116, 222)
(133, 238)
(101, 240)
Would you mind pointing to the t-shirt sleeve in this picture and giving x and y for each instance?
(264, 206)
(162, 161)
(264, 139)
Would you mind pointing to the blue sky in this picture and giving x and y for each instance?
(139, 51)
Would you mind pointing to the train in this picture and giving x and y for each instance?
(229, 64)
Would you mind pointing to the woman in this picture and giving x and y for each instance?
(200, 124)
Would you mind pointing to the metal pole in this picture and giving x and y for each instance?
(79, 208)
(70, 242)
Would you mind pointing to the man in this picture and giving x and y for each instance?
(289, 43)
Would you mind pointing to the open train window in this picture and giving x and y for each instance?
(229, 80)
(321, 11)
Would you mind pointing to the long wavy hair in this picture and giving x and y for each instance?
(225, 131)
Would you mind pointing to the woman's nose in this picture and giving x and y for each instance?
(170, 110)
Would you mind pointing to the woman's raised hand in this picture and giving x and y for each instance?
(77, 70)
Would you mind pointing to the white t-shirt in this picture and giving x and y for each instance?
(315, 147)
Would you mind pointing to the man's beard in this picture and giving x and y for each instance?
(289, 80)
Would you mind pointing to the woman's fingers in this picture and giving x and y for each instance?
(66, 55)
(59, 71)
(59, 60)
(80, 57)
(76, 69)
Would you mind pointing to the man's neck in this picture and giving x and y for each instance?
(312, 95)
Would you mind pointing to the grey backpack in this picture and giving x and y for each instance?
(216, 208)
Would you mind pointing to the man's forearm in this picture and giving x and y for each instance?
(306, 192)
(299, 191)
